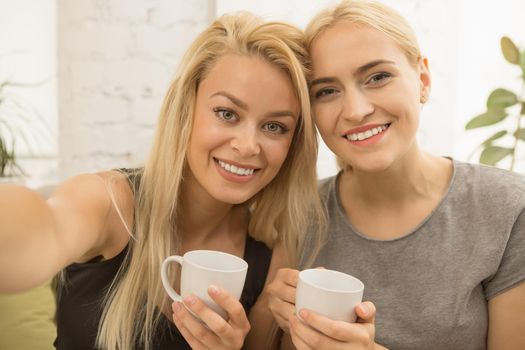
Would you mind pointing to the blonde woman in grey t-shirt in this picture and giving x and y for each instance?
(439, 244)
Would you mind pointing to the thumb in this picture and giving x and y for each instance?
(366, 312)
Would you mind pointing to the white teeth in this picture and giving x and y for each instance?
(235, 169)
(366, 134)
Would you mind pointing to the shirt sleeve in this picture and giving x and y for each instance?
(511, 271)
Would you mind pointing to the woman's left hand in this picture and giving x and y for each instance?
(219, 333)
(318, 332)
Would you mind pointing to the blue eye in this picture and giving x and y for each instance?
(325, 92)
(379, 78)
(275, 128)
(225, 114)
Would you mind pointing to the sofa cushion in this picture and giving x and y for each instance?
(26, 319)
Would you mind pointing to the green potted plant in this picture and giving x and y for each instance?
(503, 104)
(19, 123)
(8, 164)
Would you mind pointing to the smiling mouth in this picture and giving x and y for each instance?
(360, 136)
(236, 170)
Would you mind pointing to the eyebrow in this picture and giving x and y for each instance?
(244, 106)
(232, 98)
(278, 114)
(359, 70)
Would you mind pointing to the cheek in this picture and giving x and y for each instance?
(325, 115)
(277, 150)
(205, 136)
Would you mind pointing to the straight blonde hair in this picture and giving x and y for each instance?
(279, 212)
(368, 13)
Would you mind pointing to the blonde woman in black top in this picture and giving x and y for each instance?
(233, 161)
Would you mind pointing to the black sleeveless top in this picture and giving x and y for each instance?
(79, 301)
(79, 305)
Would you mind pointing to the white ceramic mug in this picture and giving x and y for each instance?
(330, 293)
(202, 268)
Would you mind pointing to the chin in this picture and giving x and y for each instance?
(233, 198)
(375, 165)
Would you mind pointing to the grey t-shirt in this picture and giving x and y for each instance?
(431, 286)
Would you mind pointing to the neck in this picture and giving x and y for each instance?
(204, 219)
(416, 175)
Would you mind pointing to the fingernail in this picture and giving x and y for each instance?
(189, 300)
(364, 309)
(214, 290)
(176, 306)
(303, 313)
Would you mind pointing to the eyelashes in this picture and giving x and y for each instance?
(379, 78)
(225, 114)
(376, 80)
(325, 92)
(276, 128)
(229, 116)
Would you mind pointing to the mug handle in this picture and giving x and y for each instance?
(164, 276)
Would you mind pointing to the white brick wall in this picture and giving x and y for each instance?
(436, 24)
(116, 59)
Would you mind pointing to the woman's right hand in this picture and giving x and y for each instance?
(315, 331)
(214, 332)
(281, 296)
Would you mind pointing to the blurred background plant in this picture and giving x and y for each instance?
(501, 104)
(23, 129)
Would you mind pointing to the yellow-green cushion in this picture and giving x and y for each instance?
(26, 320)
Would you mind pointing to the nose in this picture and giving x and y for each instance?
(356, 105)
(246, 141)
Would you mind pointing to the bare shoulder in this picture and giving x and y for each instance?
(96, 211)
(95, 191)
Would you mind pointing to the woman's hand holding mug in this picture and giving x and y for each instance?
(322, 309)
(281, 296)
(208, 312)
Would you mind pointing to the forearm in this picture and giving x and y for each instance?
(26, 239)
(265, 332)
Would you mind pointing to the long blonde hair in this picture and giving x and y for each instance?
(279, 212)
(369, 13)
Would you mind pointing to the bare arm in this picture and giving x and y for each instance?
(265, 332)
(507, 320)
(38, 238)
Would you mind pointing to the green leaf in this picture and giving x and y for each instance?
(490, 117)
(520, 134)
(510, 50)
(494, 137)
(493, 154)
(501, 98)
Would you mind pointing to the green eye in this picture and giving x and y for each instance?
(275, 128)
(225, 114)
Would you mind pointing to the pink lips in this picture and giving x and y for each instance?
(368, 141)
(362, 129)
(229, 176)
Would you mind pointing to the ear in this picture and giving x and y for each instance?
(425, 80)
